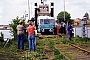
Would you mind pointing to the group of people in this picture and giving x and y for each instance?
(60, 28)
(63, 29)
(31, 37)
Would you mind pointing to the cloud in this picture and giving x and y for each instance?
(77, 8)
(9, 9)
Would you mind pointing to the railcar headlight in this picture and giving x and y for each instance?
(42, 30)
(51, 30)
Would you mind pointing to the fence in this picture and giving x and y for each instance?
(78, 31)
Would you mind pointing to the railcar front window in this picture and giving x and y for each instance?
(46, 21)
(41, 21)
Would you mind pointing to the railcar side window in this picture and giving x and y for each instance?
(52, 21)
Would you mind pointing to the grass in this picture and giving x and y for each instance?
(45, 49)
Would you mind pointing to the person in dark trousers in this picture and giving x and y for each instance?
(31, 36)
(55, 30)
(70, 29)
(64, 28)
(61, 28)
(20, 35)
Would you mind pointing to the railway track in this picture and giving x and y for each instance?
(84, 50)
(73, 52)
(70, 50)
(48, 36)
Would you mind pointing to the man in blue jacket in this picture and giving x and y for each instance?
(70, 29)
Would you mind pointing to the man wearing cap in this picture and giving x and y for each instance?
(20, 35)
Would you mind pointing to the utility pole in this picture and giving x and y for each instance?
(64, 10)
(31, 10)
(28, 9)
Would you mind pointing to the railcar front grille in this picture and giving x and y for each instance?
(46, 30)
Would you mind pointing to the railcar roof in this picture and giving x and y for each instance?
(45, 17)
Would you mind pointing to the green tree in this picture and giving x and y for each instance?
(60, 16)
(72, 21)
(14, 24)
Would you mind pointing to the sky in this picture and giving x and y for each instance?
(10, 9)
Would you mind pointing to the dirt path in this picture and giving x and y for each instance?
(72, 53)
(49, 53)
